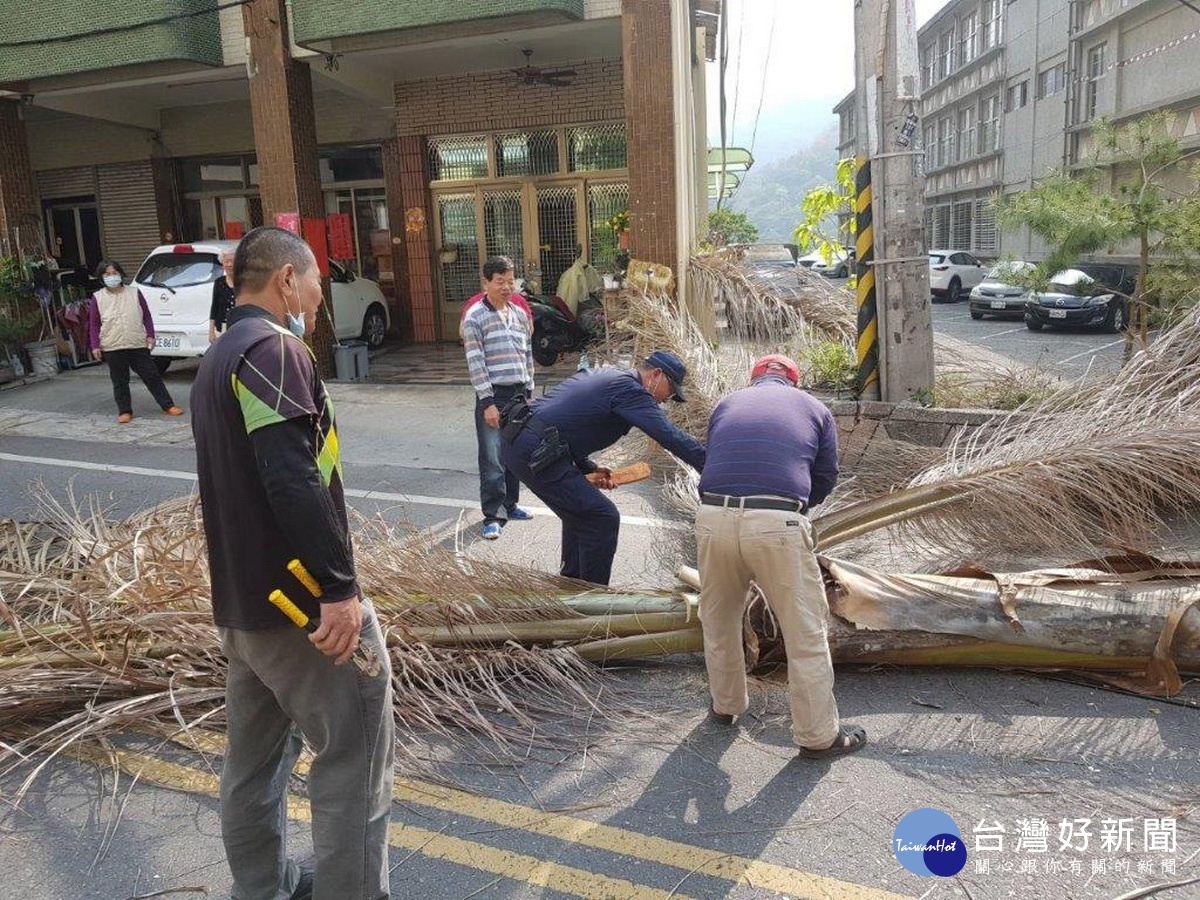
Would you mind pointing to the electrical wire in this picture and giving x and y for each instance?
(121, 29)
(724, 70)
(737, 70)
(766, 68)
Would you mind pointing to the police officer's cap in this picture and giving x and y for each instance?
(672, 366)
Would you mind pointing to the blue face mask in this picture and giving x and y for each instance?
(295, 324)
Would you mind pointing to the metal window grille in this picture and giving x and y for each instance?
(557, 233)
(941, 225)
(502, 227)
(987, 237)
(961, 229)
(929, 235)
(604, 202)
(531, 153)
(458, 158)
(596, 148)
(459, 244)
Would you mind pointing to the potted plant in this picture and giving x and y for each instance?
(19, 316)
(619, 225)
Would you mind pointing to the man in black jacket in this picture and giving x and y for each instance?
(270, 476)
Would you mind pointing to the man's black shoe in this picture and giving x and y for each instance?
(721, 718)
(304, 887)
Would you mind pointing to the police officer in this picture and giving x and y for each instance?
(772, 454)
(548, 444)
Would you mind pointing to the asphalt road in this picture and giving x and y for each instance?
(1067, 353)
(653, 801)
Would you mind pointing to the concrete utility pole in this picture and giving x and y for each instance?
(887, 111)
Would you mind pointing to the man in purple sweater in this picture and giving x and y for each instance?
(772, 454)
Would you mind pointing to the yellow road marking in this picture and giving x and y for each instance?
(434, 844)
(572, 829)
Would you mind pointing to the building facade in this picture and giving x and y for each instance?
(1011, 89)
(442, 132)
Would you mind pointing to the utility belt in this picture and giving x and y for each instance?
(515, 417)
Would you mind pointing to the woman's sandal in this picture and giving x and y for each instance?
(849, 739)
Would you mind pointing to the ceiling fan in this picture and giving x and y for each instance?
(531, 74)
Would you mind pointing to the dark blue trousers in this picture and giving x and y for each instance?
(499, 489)
(590, 521)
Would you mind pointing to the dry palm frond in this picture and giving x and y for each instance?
(1086, 470)
(774, 306)
(112, 626)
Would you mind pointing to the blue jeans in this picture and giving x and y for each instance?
(499, 489)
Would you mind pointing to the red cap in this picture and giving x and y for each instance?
(776, 364)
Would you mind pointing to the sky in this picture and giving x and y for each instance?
(796, 57)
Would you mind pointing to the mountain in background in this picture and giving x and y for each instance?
(784, 130)
(771, 192)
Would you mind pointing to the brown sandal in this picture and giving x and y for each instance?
(849, 739)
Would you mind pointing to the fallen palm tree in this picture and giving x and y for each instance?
(107, 627)
(107, 623)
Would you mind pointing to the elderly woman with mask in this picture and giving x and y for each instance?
(121, 333)
(223, 298)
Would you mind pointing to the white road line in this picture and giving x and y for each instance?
(1092, 350)
(415, 499)
(997, 334)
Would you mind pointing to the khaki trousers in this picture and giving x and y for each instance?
(775, 549)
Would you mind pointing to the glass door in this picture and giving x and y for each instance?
(458, 248)
(558, 233)
(504, 226)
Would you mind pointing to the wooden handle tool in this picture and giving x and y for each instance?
(638, 471)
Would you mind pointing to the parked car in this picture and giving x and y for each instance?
(996, 295)
(952, 273)
(838, 266)
(176, 280)
(1075, 298)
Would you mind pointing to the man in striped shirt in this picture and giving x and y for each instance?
(498, 337)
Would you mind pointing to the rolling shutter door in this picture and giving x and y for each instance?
(57, 183)
(128, 212)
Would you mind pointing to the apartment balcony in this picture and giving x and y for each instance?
(334, 25)
(62, 38)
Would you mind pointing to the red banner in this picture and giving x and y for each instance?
(314, 234)
(341, 236)
(288, 221)
(235, 231)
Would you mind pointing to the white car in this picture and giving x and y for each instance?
(837, 266)
(952, 273)
(177, 280)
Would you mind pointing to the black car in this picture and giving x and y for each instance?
(1076, 298)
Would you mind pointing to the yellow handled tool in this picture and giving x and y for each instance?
(364, 657)
(302, 575)
(292, 611)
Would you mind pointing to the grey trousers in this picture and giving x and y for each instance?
(280, 686)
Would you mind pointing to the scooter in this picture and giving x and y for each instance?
(556, 330)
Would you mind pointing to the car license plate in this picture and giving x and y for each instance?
(1058, 313)
(167, 342)
(999, 304)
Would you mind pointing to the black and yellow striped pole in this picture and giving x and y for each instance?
(867, 385)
